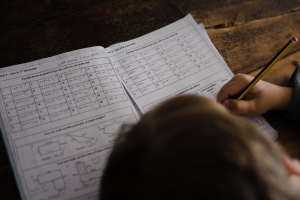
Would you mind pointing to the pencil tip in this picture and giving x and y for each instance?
(295, 39)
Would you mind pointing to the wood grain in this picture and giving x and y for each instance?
(246, 33)
(102, 25)
(252, 45)
(227, 13)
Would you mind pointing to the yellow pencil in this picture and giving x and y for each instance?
(278, 56)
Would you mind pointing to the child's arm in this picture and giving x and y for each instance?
(263, 96)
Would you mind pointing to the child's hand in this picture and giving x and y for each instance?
(262, 97)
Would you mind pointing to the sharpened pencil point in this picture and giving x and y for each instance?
(295, 39)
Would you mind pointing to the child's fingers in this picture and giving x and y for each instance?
(233, 87)
(239, 107)
(230, 89)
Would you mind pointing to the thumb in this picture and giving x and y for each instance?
(239, 107)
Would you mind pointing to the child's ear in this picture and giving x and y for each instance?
(291, 165)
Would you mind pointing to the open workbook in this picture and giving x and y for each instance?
(60, 115)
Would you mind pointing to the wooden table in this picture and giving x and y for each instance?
(246, 33)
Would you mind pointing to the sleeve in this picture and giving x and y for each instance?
(293, 113)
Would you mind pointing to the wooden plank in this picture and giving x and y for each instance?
(31, 30)
(252, 45)
(281, 72)
(212, 13)
(95, 26)
(18, 13)
(226, 13)
(48, 30)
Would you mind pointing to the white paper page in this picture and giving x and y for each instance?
(60, 116)
(258, 121)
(177, 59)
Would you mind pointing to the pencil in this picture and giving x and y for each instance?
(278, 56)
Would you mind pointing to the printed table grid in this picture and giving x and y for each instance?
(64, 95)
(165, 64)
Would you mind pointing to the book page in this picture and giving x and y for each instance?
(174, 60)
(60, 117)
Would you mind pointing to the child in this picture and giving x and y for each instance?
(190, 147)
(263, 97)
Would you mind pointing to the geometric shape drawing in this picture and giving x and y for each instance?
(80, 139)
(109, 132)
(84, 174)
(49, 148)
(114, 128)
(83, 139)
(81, 168)
(55, 177)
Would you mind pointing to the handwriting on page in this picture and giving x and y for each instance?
(179, 60)
(64, 95)
(148, 71)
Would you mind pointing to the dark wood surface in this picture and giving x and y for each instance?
(246, 33)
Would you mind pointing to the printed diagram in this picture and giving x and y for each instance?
(83, 139)
(86, 175)
(101, 159)
(71, 163)
(102, 134)
(80, 139)
(49, 149)
(75, 142)
(50, 185)
(110, 132)
(55, 178)
(89, 171)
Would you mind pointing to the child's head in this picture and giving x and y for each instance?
(190, 147)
